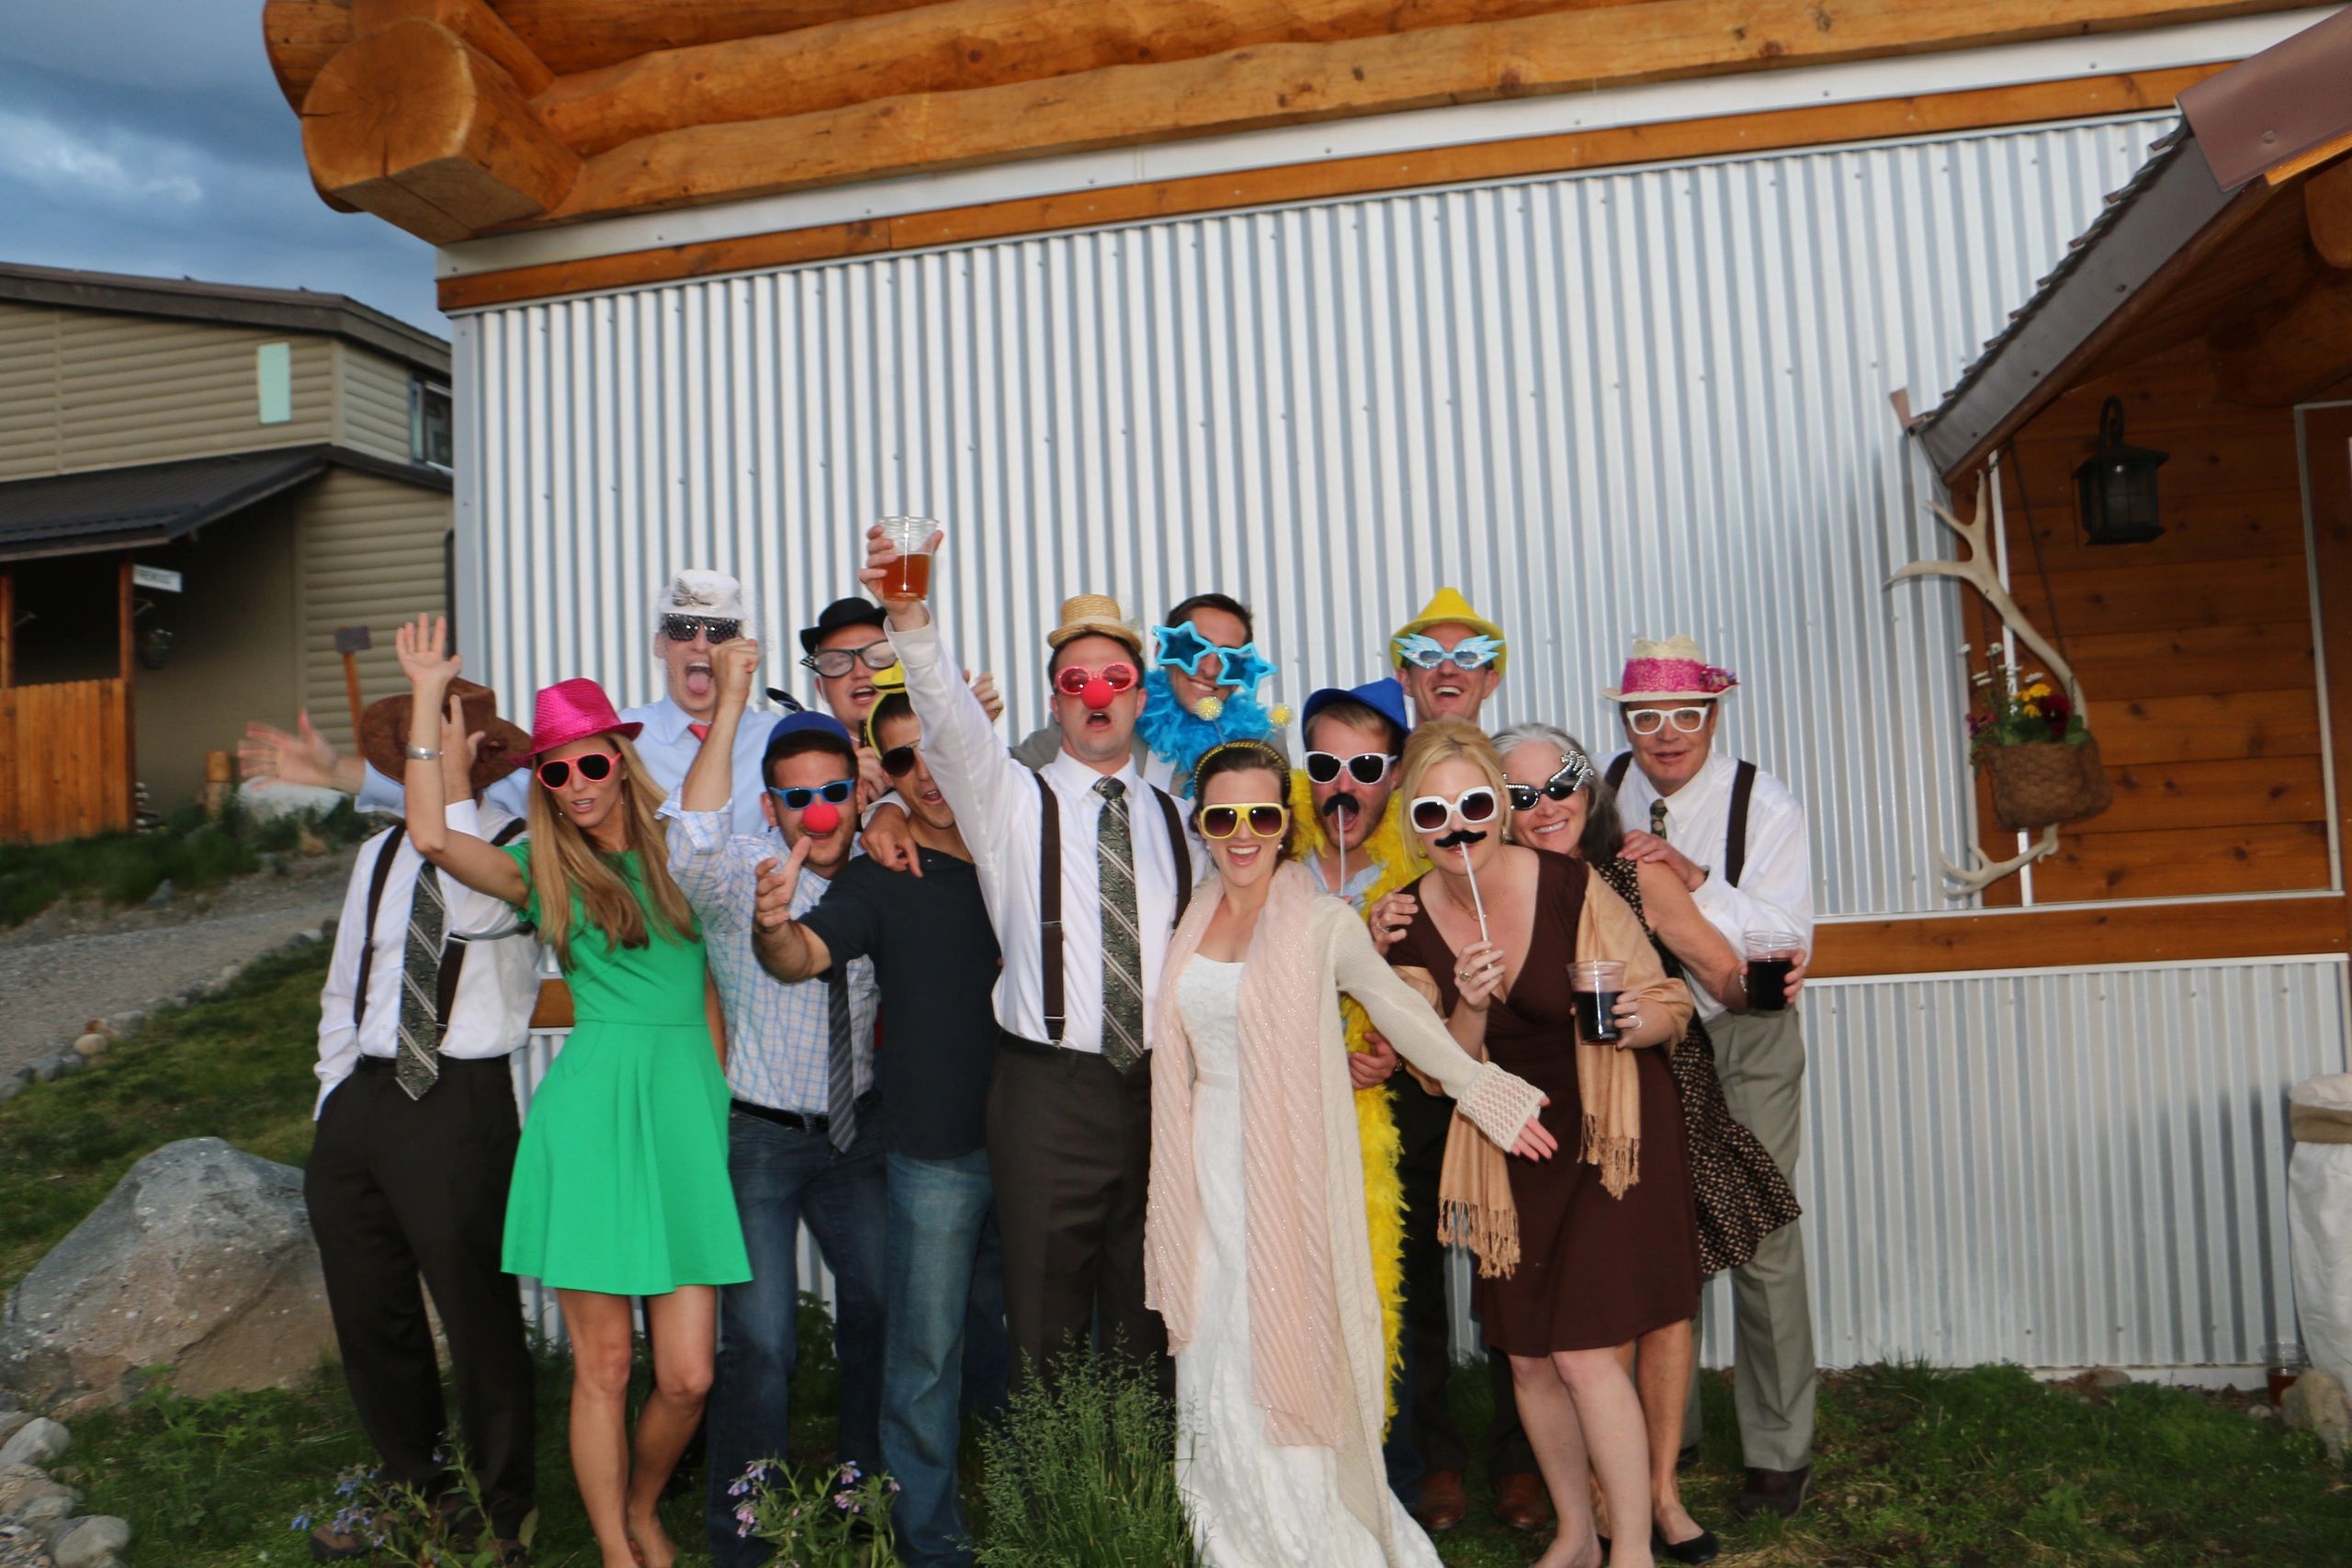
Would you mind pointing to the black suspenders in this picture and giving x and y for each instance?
(452, 964)
(1743, 789)
(1049, 891)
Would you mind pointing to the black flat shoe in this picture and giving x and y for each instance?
(1700, 1547)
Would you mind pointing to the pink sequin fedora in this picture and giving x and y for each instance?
(572, 710)
(1672, 671)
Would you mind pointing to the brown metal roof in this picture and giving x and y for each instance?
(2292, 99)
(284, 310)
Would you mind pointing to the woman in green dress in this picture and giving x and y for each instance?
(620, 1182)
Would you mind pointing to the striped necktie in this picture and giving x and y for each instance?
(1658, 819)
(841, 1061)
(419, 1066)
(1114, 860)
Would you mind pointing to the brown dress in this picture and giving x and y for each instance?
(1593, 1270)
(1740, 1194)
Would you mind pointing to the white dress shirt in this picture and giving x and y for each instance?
(491, 1015)
(667, 745)
(1775, 886)
(997, 809)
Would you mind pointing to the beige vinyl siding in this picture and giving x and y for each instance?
(371, 556)
(375, 403)
(123, 389)
(28, 429)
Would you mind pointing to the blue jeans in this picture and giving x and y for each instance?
(987, 1351)
(783, 1177)
(938, 1211)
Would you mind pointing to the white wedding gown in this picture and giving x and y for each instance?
(1255, 1504)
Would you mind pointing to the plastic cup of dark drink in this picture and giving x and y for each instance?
(908, 577)
(1598, 981)
(1770, 955)
(2282, 1364)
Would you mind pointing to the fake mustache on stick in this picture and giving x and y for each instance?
(1341, 802)
(1460, 837)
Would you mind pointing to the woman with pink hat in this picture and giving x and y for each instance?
(620, 1182)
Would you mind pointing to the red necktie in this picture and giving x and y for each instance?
(702, 731)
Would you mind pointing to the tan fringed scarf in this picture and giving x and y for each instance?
(1474, 1205)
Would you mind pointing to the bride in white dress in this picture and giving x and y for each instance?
(1256, 1248)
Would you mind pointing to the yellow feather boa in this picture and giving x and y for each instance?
(1384, 1191)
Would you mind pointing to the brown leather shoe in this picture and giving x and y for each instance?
(1443, 1502)
(1521, 1502)
(1781, 1492)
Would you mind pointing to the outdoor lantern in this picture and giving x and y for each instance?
(2118, 485)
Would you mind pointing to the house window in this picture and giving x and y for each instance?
(274, 382)
(428, 424)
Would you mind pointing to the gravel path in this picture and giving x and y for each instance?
(68, 966)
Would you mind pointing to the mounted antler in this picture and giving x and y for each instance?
(1977, 569)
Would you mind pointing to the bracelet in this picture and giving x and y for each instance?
(421, 753)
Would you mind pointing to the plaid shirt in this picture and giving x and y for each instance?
(778, 1035)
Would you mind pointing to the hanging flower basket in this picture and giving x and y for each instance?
(2040, 758)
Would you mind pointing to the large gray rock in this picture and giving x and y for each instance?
(89, 1543)
(201, 1259)
(22, 1488)
(40, 1441)
(2317, 1403)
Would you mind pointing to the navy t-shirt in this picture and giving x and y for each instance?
(935, 960)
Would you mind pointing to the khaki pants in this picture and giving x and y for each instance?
(1760, 1058)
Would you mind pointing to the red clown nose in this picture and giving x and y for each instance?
(1097, 693)
(822, 817)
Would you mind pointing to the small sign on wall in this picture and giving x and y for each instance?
(155, 577)
(274, 381)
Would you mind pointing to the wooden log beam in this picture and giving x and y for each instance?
(958, 46)
(471, 20)
(422, 127)
(1290, 83)
(2327, 209)
(302, 36)
(2282, 351)
(581, 35)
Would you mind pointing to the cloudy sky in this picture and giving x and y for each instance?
(147, 136)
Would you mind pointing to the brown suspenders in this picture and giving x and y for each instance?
(1743, 788)
(1049, 891)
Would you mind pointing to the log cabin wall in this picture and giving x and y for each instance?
(2195, 650)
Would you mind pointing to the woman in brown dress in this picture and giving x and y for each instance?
(1606, 1241)
(1560, 804)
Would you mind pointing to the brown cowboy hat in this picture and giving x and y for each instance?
(383, 735)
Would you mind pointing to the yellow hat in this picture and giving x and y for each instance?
(887, 683)
(1449, 608)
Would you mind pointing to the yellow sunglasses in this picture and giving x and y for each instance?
(1267, 820)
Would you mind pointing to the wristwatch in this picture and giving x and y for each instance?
(421, 753)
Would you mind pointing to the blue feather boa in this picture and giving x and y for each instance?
(1183, 737)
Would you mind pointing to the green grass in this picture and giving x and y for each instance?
(194, 851)
(1981, 1467)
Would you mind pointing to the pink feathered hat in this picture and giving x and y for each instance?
(573, 710)
(1672, 671)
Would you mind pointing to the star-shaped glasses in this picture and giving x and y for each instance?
(1184, 647)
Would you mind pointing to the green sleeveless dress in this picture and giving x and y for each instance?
(620, 1179)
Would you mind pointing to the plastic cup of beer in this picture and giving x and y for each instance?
(1597, 981)
(1770, 955)
(908, 577)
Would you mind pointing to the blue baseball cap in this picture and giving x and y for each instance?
(1384, 696)
(825, 724)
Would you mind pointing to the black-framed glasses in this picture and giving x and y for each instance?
(1430, 812)
(898, 761)
(594, 766)
(682, 628)
(835, 663)
(1574, 774)
(1267, 820)
(799, 799)
(1649, 721)
(1364, 767)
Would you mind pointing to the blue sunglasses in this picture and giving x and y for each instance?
(1183, 648)
(800, 799)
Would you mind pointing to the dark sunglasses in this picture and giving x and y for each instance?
(1574, 775)
(1430, 812)
(898, 761)
(799, 799)
(1365, 767)
(594, 766)
(1266, 820)
(682, 628)
(1072, 681)
(835, 663)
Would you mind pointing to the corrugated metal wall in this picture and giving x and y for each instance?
(1604, 404)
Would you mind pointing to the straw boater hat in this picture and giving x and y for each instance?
(383, 734)
(1672, 671)
(1449, 608)
(1094, 614)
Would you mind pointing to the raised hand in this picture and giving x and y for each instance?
(733, 665)
(873, 783)
(458, 749)
(1390, 917)
(984, 687)
(879, 554)
(1478, 974)
(423, 646)
(779, 880)
(270, 755)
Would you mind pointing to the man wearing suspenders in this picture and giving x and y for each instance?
(429, 991)
(1736, 836)
(1085, 870)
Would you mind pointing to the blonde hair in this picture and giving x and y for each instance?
(567, 867)
(1448, 741)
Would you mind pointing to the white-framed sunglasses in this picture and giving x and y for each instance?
(1365, 767)
(1649, 721)
(1429, 813)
